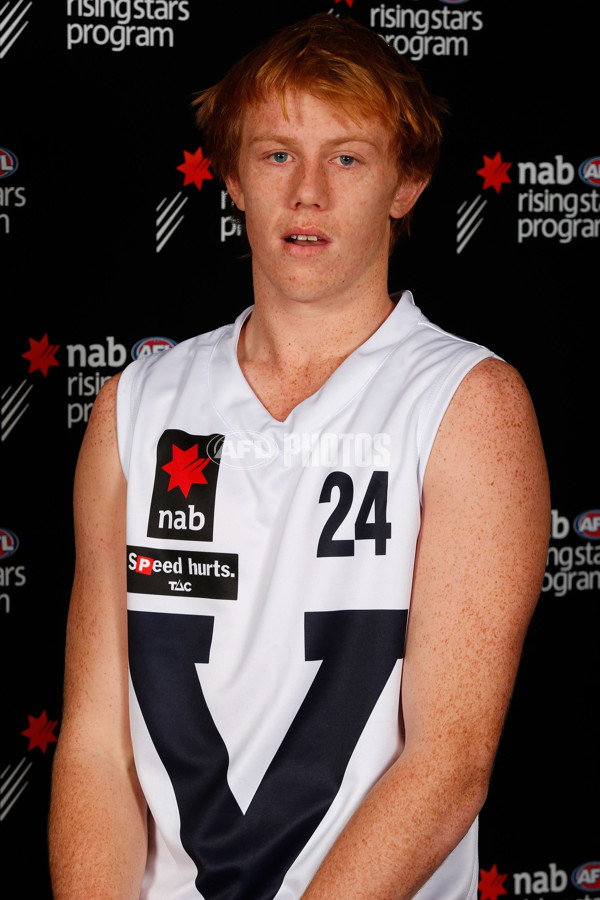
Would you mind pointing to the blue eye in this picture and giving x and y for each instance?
(346, 160)
(280, 156)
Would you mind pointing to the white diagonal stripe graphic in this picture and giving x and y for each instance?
(165, 223)
(469, 221)
(6, 790)
(15, 400)
(174, 200)
(7, 27)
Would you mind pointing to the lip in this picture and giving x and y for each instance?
(322, 237)
(305, 249)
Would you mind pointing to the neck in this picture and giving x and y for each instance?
(287, 354)
(298, 335)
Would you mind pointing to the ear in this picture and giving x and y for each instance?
(234, 188)
(407, 194)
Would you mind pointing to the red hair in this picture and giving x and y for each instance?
(342, 63)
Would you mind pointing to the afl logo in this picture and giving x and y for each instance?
(587, 524)
(150, 346)
(8, 163)
(242, 449)
(587, 877)
(589, 171)
(8, 543)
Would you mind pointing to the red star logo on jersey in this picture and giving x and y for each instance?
(195, 168)
(40, 732)
(494, 172)
(41, 355)
(186, 469)
(491, 884)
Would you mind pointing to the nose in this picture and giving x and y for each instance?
(310, 186)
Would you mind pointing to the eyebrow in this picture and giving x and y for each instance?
(288, 139)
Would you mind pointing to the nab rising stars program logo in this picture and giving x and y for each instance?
(470, 215)
(16, 777)
(547, 206)
(169, 212)
(15, 403)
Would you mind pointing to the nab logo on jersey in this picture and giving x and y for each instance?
(185, 485)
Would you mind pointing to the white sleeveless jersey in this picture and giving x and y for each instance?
(269, 580)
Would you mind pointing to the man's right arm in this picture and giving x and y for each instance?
(97, 829)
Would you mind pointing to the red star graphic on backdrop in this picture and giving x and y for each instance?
(494, 172)
(41, 355)
(40, 732)
(186, 468)
(491, 884)
(349, 2)
(195, 168)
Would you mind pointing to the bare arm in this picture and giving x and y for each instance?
(97, 830)
(480, 561)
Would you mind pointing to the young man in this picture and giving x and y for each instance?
(287, 488)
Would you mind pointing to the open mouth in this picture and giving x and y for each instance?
(303, 239)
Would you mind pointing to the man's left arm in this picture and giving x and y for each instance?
(478, 571)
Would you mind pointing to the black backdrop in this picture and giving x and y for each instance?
(105, 243)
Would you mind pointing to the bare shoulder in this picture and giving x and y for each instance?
(98, 456)
(107, 395)
(99, 495)
(494, 380)
(487, 470)
(489, 441)
(102, 424)
(492, 398)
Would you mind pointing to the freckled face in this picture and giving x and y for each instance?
(318, 190)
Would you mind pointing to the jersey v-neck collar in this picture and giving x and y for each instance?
(240, 407)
